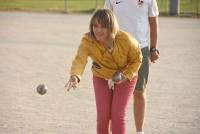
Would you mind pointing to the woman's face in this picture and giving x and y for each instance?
(100, 33)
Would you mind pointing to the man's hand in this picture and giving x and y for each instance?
(155, 55)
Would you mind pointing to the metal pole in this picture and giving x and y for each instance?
(167, 6)
(174, 7)
(161, 3)
(197, 7)
(96, 4)
(65, 5)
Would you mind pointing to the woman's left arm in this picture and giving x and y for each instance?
(134, 61)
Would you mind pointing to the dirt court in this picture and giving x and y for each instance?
(38, 48)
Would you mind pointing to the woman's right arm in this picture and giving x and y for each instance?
(78, 64)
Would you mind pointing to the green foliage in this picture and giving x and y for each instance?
(50, 5)
(186, 6)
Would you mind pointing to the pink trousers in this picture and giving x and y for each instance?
(111, 105)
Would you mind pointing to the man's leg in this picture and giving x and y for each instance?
(139, 109)
(139, 98)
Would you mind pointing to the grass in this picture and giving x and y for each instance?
(50, 5)
(37, 5)
(190, 7)
(186, 6)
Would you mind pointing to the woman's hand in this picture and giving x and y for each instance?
(72, 83)
(121, 81)
(118, 77)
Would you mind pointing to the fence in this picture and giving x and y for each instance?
(187, 7)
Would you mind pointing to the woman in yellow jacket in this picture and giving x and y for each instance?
(116, 59)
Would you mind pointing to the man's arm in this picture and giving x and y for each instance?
(153, 23)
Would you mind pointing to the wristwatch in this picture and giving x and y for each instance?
(153, 49)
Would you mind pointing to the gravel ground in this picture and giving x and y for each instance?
(38, 48)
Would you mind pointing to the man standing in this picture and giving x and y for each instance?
(139, 18)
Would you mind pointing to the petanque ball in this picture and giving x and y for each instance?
(117, 76)
(41, 89)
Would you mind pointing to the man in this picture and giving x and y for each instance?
(139, 18)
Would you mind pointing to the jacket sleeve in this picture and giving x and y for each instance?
(134, 60)
(80, 60)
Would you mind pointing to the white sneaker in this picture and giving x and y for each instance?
(139, 132)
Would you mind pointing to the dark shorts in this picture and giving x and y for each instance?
(143, 72)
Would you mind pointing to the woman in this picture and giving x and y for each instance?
(116, 59)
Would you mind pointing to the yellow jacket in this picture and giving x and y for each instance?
(125, 56)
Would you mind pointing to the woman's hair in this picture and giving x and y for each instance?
(106, 19)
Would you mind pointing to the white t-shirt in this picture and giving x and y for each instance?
(133, 16)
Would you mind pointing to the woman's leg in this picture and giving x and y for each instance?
(103, 96)
(121, 96)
